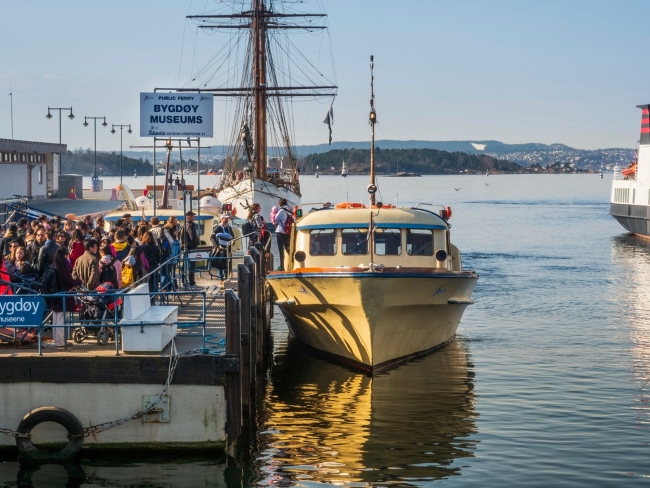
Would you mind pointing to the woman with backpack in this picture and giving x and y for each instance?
(64, 282)
(283, 221)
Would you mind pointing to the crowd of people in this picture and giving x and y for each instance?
(88, 253)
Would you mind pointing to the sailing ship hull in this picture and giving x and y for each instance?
(242, 194)
(370, 320)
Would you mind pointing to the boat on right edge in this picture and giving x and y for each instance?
(630, 197)
(373, 285)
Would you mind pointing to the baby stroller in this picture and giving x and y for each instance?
(96, 310)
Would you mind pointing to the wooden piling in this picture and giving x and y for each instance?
(244, 288)
(234, 380)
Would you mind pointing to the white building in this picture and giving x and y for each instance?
(29, 168)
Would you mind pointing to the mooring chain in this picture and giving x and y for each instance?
(95, 429)
(13, 433)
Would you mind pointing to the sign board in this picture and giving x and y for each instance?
(21, 311)
(176, 114)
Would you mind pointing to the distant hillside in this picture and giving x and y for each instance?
(523, 154)
(108, 164)
(421, 161)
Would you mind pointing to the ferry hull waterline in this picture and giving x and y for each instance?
(374, 321)
(630, 197)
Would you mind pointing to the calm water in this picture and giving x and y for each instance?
(547, 384)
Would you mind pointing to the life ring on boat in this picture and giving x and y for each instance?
(50, 414)
(630, 170)
(385, 205)
(350, 205)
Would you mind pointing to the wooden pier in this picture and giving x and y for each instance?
(203, 390)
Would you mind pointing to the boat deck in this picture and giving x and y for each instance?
(191, 338)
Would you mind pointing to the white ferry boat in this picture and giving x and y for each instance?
(630, 197)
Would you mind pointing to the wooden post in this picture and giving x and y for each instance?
(250, 266)
(244, 277)
(259, 322)
(234, 415)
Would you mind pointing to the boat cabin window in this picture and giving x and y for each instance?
(388, 242)
(354, 241)
(419, 242)
(322, 242)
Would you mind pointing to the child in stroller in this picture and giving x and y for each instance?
(95, 311)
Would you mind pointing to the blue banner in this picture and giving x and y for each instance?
(21, 310)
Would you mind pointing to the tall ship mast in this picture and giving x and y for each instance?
(260, 78)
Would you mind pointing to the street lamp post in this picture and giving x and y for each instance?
(49, 116)
(121, 126)
(95, 182)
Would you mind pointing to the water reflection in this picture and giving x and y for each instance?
(325, 424)
(631, 292)
(117, 471)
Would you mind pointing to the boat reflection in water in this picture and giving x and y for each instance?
(631, 305)
(323, 423)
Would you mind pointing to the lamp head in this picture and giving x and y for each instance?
(49, 115)
(71, 116)
(129, 131)
(113, 130)
(85, 122)
(168, 144)
(104, 124)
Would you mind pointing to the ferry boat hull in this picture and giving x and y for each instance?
(634, 218)
(630, 194)
(373, 320)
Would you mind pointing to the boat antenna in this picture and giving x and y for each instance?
(372, 187)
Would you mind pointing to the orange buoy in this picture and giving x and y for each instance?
(71, 195)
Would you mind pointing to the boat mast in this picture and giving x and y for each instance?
(259, 70)
(373, 121)
(261, 22)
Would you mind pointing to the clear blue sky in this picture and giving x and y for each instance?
(516, 71)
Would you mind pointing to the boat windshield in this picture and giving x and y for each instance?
(419, 242)
(322, 242)
(388, 242)
(354, 241)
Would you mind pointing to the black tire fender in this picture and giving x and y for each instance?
(50, 414)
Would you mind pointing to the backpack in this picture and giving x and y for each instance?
(165, 248)
(247, 228)
(108, 274)
(48, 281)
(163, 244)
(127, 275)
(288, 222)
